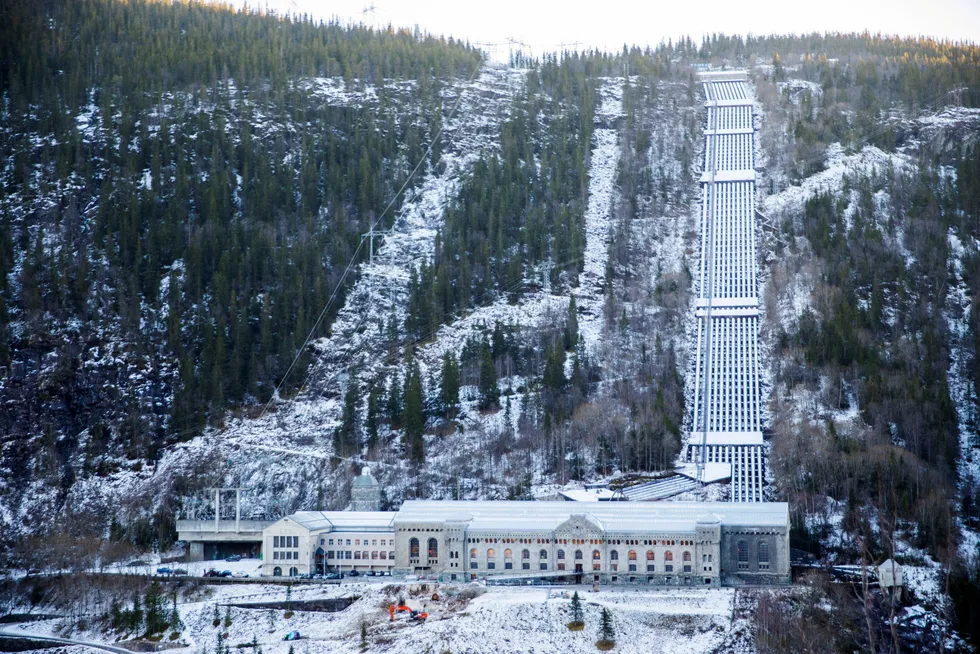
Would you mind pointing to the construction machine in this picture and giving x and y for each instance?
(401, 611)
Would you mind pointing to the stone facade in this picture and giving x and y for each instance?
(754, 555)
(580, 548)
(665, 543)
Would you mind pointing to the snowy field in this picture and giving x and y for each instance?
(498, 620)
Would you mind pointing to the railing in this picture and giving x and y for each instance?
(223, 526)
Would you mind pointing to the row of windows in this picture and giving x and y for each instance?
(596, 567)
(360, 555)
(285, 541)
(579, 541)
(284, 556)
(433, 548)
(596, 555)
(508, 565)
(357, 541)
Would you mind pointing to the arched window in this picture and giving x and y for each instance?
(491, 553)
(508, 553)
(433, 548)
(632, 555)
(473, 553)
(763, 552)
(293, 572)
(650, 555)
(743, 551)
(687, 557)
(543, 554)
(578, 555)
(525, 554)
(614, 555)
(277, 572)
(668, 556)
(413, 548)
(596, 555)
(561, 554)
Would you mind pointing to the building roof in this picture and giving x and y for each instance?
(344, 520)
(614, 516)
(591, 495)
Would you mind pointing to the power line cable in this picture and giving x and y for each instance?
(360, 245)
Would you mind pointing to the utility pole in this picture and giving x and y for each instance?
(370, 238)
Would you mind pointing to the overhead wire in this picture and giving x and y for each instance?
(360, 245)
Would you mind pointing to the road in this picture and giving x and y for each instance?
(64, 641)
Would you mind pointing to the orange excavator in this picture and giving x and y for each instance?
(413, 615)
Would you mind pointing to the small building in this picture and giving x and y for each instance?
(891, 578)
(326, 541)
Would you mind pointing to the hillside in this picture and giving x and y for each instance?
(187, 299)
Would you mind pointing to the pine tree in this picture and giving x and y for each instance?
(449, 391)
(394, 403)
(347, 437)
(571, 325)
(414, 414)
(156, 619)
(607, 634)
(578, 621)
(371, 420)
(489, 390)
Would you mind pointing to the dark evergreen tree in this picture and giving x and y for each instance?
(606, 632)
(488, 387)
(449, 392)
(414, 414)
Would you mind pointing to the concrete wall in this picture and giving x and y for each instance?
(301, 555)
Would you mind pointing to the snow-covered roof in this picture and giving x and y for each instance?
(591, 495)
(614, 516)
(713, 471)
(344, 520)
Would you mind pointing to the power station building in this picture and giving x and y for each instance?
(654, 543)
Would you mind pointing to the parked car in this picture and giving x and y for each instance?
(179, 572)
(164, 570)
(292, 635)
(241, 574)
(233, 558)
(225, 573)
(333, 575)
(354, 573)
(211, 572)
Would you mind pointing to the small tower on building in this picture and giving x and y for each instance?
(365, 492)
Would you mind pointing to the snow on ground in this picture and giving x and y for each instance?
(796, 88)
(533, 307)
(383, 286)
(602, 182)
(790, 201)
(961, 389)
(500, 620)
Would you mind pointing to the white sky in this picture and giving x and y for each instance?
(608, 24)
